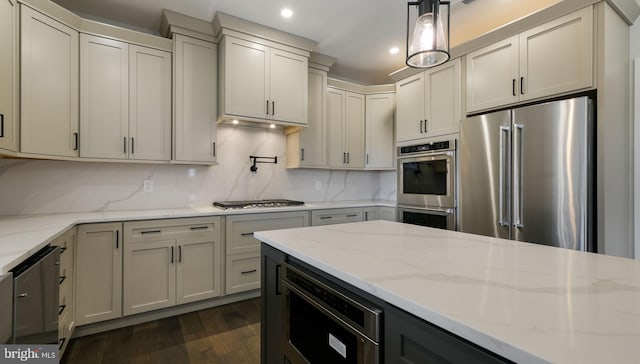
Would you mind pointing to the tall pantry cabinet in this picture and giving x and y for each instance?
(8, 74)
(49, 85)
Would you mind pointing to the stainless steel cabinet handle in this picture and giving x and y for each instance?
(521, 85)
(23, 295)
(348, 158)
(214, 149)
(517, 176)
(171, 255)
(1, 125)
(273, 107)
(367, 158)
(505, 145)
(179, 253)
(267, 107)
(199, 227)
(278, 280)
(325, 217)
(421, 127)
(513, 86)
(301, 154)
(117, 239)
(249, 271)
(352, 215)
(75, 138)
(425, 125)
(124, 148)
(132, 146)
(246, 234)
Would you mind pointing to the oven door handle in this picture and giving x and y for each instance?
(345, 325)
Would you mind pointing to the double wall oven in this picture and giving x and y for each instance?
(427, 184)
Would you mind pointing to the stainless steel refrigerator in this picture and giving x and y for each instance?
(527, 174)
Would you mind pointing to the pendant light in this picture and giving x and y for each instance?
(428, 45)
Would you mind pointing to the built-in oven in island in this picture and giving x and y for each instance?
(324, 325)
(427, 184)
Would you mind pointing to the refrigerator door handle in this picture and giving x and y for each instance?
(504, 163)
(518, 131)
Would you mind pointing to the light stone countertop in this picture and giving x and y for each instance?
(529, 303)
(21, 236)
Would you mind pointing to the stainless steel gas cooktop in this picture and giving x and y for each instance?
(249, 204)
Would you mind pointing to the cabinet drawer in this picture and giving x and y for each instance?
(335, 216)
(243, 273)
(151, 230)
(240, 229)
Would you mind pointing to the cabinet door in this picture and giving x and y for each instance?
(149, 276)
(199, 274)
(557, 56)
(354, 130)
(98, 272)
(443, 107)
(288, 86)
(8, 74)
(195, 70)
(492, 74)
(104, 97)
(150, 104)
(335, 122)
(49, 86)
(313, 139)
(379, 130)
(246, 82)
(271, 312)
(410, 108)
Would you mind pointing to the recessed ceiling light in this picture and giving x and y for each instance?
(286, 13)
(394, 50)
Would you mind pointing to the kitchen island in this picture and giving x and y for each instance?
(527, 303)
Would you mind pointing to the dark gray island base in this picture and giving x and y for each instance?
(324, 335)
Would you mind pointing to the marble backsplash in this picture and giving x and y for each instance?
(39, 187)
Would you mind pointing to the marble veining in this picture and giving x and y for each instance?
(45, 187)
(530, 303)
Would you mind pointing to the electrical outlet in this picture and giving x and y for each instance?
(318, 185)
(148, 185)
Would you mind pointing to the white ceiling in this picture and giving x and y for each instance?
(358, 33)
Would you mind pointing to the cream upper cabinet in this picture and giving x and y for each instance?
(195, 100)
(104, 97)
(125, 95)
(308, 146)
(428, 104)
(49, 85)
(550, 59)
(8, 75)
(262, 83)
(345, 119)
(149, 104)
(380, 110)
(98, 273)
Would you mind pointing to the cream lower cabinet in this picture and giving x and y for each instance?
(169, 262)
(379, 213)
(428, 104)
(125, 100)
(550, 59)
(8, 75)
(346, 123)
(336, 216)
(66, 319)
(98, 273)
(243, 250)
(49, 85)
(195, 100)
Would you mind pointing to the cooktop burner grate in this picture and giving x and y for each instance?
(257, 204)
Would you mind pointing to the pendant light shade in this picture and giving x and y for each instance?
(428, 44)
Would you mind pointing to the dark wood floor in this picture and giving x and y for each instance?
(220, 335)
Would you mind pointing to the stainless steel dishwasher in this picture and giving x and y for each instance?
(35, 298)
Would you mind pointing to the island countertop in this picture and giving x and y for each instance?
(526, 302)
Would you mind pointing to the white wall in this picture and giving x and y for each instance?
(34, 187)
